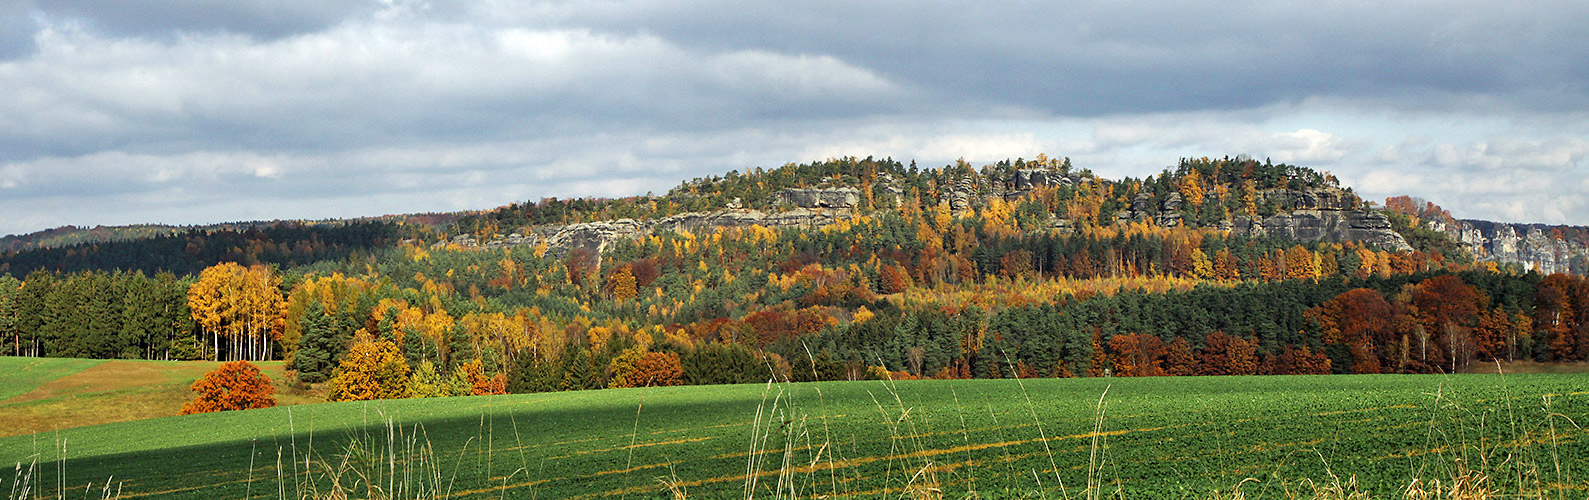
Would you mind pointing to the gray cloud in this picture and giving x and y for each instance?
(167, 19)
(187, 111)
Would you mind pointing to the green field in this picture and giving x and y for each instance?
(25, 374)
(47, 394)
(1183, 437)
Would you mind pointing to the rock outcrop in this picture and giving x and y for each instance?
(843, 197)
(1325, 225)
(1529, 245)
(597, 236)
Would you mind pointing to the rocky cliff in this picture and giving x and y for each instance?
(1531, 245)
(597, 236)
(1325, 225)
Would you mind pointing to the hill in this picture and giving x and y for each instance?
(838, 270)
(1159, 438)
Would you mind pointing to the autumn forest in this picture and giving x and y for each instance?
(918, 276)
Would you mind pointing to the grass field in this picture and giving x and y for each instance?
(45, 394)
(1188, 437)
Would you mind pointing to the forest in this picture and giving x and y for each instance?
(906, 285)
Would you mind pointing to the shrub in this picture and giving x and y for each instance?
(237, 385)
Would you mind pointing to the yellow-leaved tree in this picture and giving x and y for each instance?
(240, 307)
(373, 369)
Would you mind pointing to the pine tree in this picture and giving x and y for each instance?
(10, 336)
(315, 356)
(577, 372)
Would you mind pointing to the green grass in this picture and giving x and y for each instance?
(25, 374)
(1159, 438)
(46, 394)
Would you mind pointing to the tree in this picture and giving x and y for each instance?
(1299, 264)
(577, 372)
(479, 383)
(10, 336)
(237, 385)
(317, 351)
(1447, 307)
(241, 304)
(1137, 355)
(1361, 320)
(426, 382)
(372, 369)
(894, 278)
(1178, 358)
(622, 284)
(656, 369)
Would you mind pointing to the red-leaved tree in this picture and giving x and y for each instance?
(237, 385)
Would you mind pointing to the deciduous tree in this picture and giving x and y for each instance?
(237, 385)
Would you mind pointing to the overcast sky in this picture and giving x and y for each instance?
(195, 111)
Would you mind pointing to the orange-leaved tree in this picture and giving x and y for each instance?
(479, 383)
(372, 369)
(237, 385)
(657, 369)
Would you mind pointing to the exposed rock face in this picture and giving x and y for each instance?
(598, 236)
(1325, 225)
(964, 190)
(1313, 199)
(1526, 244)
(844, 197)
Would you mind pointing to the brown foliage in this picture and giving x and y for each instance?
(657, 369)
(1228, 355)
(1137, 355)
(1447, 309)
(237, 385)
(894, 278)
(1178, 358)
(1296, 361)
(1362, 320)
(1016, 263)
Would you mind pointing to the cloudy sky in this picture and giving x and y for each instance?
(194, 111)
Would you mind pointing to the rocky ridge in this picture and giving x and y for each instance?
(1303, 215)
(597, 236)
(1529, 245)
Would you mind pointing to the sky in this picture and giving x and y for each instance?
(194, 111)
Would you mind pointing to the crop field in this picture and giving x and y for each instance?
(1170, 437)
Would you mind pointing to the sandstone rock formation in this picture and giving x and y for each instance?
(1529, 245)
(1325, 225)
(843, 197)
(598, 236)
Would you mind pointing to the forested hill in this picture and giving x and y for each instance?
(848, 268)
(189, 251)
(1237, 196)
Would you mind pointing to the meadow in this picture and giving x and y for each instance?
(45, 394)
(1166, 437)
